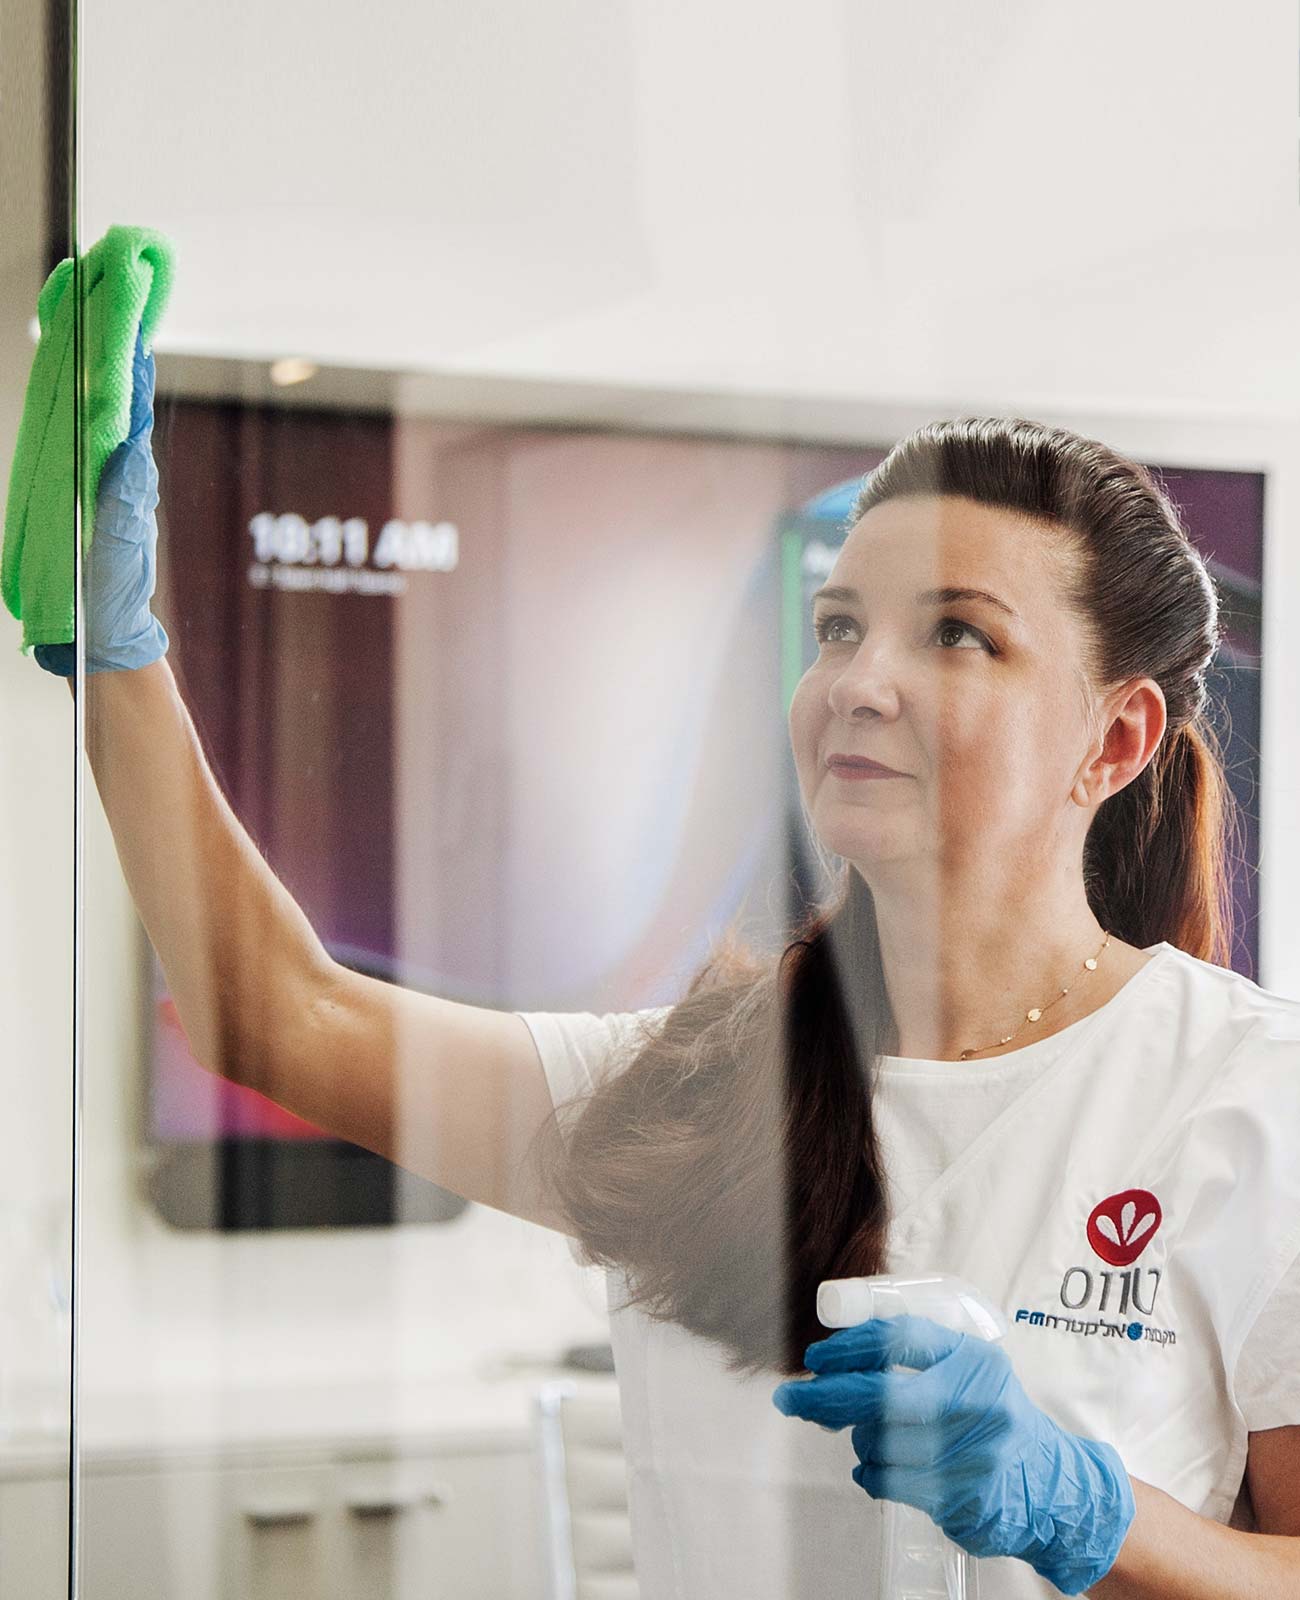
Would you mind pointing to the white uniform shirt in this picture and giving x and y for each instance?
(1185, 1085)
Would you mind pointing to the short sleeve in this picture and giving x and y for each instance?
(579, 1050)
(1267, 1380)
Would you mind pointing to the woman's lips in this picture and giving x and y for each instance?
(860, 769)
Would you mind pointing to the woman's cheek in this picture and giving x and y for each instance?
(803, 731)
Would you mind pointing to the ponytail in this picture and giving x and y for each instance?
(1157, 863)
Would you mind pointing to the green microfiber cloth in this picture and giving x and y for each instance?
(126, 279)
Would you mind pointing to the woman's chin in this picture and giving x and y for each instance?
(868, 841)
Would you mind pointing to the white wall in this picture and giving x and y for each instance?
(946, 207)
(1009, 203)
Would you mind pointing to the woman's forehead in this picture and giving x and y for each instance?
(950, 542)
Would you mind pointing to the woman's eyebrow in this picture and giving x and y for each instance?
(938, 597)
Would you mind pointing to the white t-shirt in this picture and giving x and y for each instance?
(927, 1113)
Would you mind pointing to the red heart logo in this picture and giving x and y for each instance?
(1123, 1225)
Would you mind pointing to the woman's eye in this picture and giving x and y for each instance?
(964, 627)
(824, 626)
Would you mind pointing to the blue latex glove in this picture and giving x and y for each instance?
(962, 1441)
(121, 631)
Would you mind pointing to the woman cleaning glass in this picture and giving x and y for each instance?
(1008, 1047)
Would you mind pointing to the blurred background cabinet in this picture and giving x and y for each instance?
(451, 1515)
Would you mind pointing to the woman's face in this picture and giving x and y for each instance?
(981, 711)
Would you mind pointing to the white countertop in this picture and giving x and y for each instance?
(485, 1410)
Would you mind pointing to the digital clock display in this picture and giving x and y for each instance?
(335, 553)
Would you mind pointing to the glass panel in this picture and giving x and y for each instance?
(486, 392)
(39, 804)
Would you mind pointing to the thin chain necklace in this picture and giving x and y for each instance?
(1090, 965)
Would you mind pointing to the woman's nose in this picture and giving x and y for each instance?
(867, 683)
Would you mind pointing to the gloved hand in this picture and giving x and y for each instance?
(961, 1440)
(121, 631)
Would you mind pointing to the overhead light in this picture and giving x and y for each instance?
(292, 369)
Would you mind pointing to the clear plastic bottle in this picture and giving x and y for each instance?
(917, 1559)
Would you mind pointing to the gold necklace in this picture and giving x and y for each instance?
(1090, 965)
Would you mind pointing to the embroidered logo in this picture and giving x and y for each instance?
(1105, 1301)
(1123, 1225)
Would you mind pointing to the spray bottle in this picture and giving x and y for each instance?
(917, 1559)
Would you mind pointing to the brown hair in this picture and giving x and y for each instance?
(733, 1162)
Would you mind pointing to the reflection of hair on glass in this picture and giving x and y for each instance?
(733, 1164)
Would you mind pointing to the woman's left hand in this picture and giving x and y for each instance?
(962, 1441)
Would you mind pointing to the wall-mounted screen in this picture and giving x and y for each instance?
(505, 709)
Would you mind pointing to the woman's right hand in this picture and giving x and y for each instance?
(121, 631)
